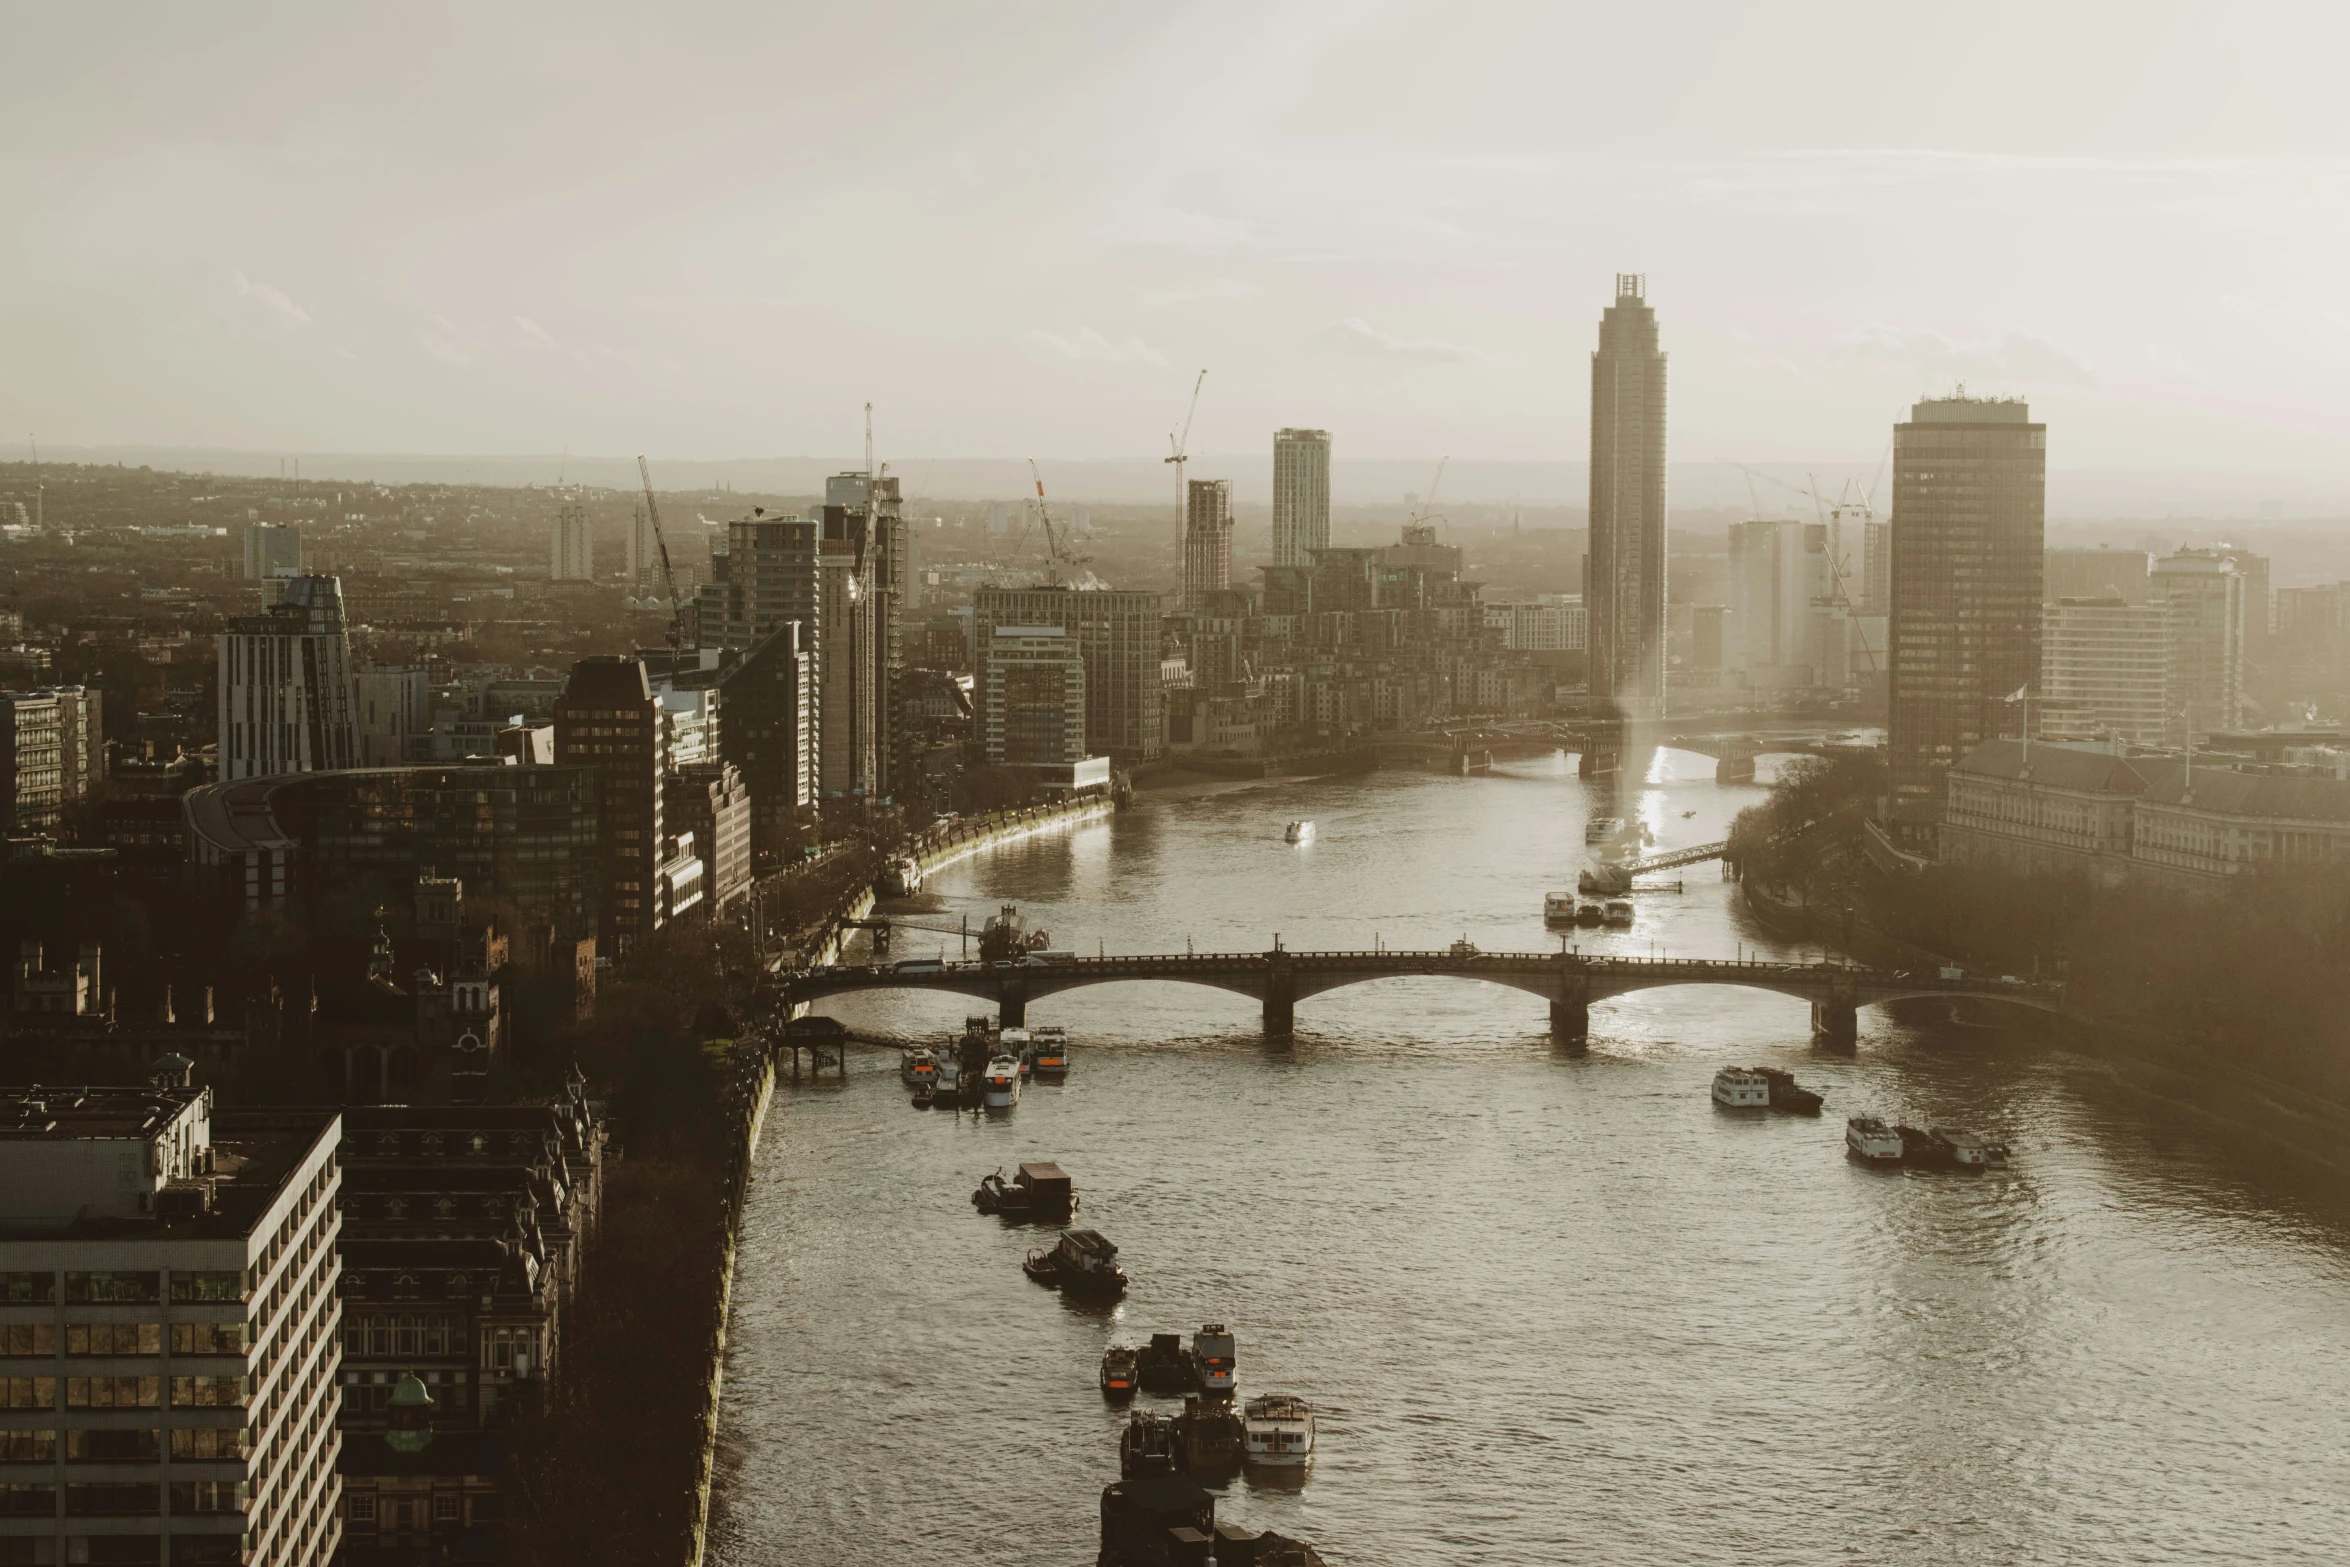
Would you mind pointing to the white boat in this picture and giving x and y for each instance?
(1000, 1088)
(1742, 1088)
(1215, 1359)
(1602, 830)
(1558, 908)
(917, 1066)
(1300, 832)
(1051, 1053)
(950, 1077)
(1868, 1139)
(1967, 1151)
(1278, 1431)
(901, 877)
(1016, 1043)
(1619, 913)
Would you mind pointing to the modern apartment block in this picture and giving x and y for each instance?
(170, 1327)
(81, 741)
(2105, 669)
(770, 731)
(709, 801)
(272, 549)
(890, 545)
(1032, 709)
(1117, 634)
(1624, 584)
(1301, 495)
(765, 577)
(32, 762)
(1207, 540)
(1969, 516)
(848, 664)
(2205, 600)
(608, 719)
(572, 551)
(286, 688)
(395, 714)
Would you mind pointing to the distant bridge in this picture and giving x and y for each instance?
(1279, 979)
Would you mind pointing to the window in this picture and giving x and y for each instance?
(362, 1509)
(216, 1285)
(405, 1338)
(206, 1392)
(448, 1507)
(112, 1392)
(28, 1447)
(210, 1442)
(28, 1392)
(207, 1496)
(208, 1338)
(28, 1501)
(207, 1550)
(111, 1287)
(112, 1447)
(28, 1289)
(113, 1501)
(113, 1338)
(21, 1339)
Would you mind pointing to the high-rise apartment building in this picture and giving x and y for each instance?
(81, 741)
(2105, 669)
(764, 577)
(1207, 540)
(395, 713)
(1117, 635)
(2095, 574)
(171, 1326)
(1301, 495)
(1969, 521)
(32, 762)
(848, 658)
(1625, 582)
(889, 545)
(286, 688)
(572, 553)
(1032, 709)
(2204, 601)
(1777, 569)
(272, 549)
(770, 731)
(608, 719)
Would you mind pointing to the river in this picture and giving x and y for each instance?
(1552, 1307)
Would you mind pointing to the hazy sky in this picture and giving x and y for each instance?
(717, 230)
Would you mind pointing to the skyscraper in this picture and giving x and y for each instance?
(1207, 539)
(286, 688)
(1625, 586)
(272, 549)
(2203, 596)
(888, 543)
(573, 555)
(608, 719)
(1301, 495)
(1969, 513)
(848, 657)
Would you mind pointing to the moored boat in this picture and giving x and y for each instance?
(1082, 1263)
(999, 1087)
(1047, 1191)
(1871, 1141)
(1789, 1095)
(997, 1195)
(1558, 908)
(1146, 1446)
(1120, 1379)
(1215, 1360)
(1619, 914)
(1742, 1088)
(1278, 1431)
(1051, 1046)
(917, 1064)
(1300, 831)
(925, 1096)
(1921, 1147)
(901, 877)
(1016, 1043)
(1590, 913)
(1163, 1366)
(1967, 1151)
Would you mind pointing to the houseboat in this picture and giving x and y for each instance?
(1083, 1263)
(1214, 1359)
(1299, 832)
(1742, 1088)
(999, 1087)
(1967, 1151)
(1871, 1141)
(1050, 1194)
(1558, 908)
(1278, 1431)
(1051, 1046)
(1618, 915)
(1120, 1379)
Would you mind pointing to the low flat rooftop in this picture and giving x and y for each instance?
(67, 1114)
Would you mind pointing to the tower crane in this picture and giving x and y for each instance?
(1831, 515)
(1053, 557)
(1179, 449)
(1421, 513)
(668, 576)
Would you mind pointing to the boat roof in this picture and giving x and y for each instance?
(1044, 1172)
(1092, 1241)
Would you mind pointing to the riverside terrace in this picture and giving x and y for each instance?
(1569, 981)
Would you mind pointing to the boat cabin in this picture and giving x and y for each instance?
(1086, 1251)
(1048, 1186)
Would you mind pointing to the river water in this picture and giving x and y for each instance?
(1552, 1307)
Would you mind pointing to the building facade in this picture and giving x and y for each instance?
(1032, 707)
(2203, 597)
(394, 704)
(2096, 574)
(607, 720)
(572, 547)
(2105, 669)
(1117, 634)
(1207, 539)
(171, 1321)
(285, 686)
(1624, 583)
(1969, 515)
(709, 801)
(272, 549)
(770, 733)
(32, 762)
(1301, 495)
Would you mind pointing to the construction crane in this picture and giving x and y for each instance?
(1179, 449)
(1831, 515)
(668, 576)
(1421, 514)
(1053, 557)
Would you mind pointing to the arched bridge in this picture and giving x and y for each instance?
(1569, 981)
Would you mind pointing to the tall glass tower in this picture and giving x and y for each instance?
(1301, 495)
(1624, 586)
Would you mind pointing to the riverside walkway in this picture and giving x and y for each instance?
(1280, 978)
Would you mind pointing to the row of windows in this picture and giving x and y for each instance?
(39, 1446)
(189, 1498)
(124, 1392)
(40, 1289)
(21, 1340)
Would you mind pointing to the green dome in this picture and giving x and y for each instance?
(411, 1411)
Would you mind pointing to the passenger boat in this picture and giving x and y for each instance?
(949, 1079)
(999, 1088)
(1120, 1380)
(1967, 1151)
(1602, 831)
(1927, 1149)
(1742, 1088)
(1465, 948)
(1789, 1095)
(1591, 913)
(1083, 1263)
(1618, 915)
(1014, 1042)
(1871, 1141)
(1163, 1366)
(916, 1065)
(1214, 1359)
(1300, 832)
(1278, 1431)
(1052, 1054)
(1558, 908)
(1145, 1447)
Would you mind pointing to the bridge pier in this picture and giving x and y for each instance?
(1011, 1004)
(1734, 770)
(1835, 1023)
(1280, 997)
(1570, 1023)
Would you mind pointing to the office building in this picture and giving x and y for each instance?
(572, 555)
(764, 577)
(607, 719)
(1032, 706)
(285, 686)
(1876, 567)
(1301, 495)
(708, 802)
(770, 735)
(81, 742)
(1117, 635)
(2259, 599)
(1207, 540)
(32, 762)
(1624, 583)
(394, 704)
(889, 544)
(172, 1329)
(2204, 600)
(2096, 574)
(848, 662)
(272, 549)
(2105, 669)
(1969, 514)
(1776, 572)
(1552, 623)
